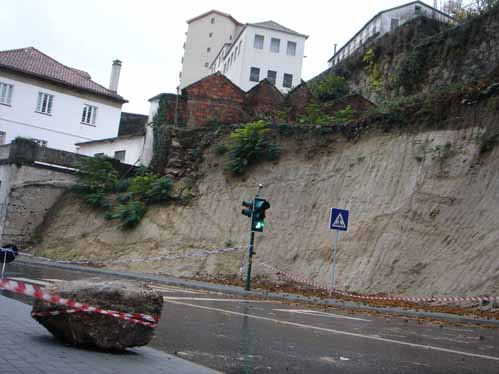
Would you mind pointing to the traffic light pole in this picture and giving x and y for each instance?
(251, 244)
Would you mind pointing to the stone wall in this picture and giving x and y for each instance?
(424, 55)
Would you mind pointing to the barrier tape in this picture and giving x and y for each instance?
(205, 253)
(38, 293)
(380, 298)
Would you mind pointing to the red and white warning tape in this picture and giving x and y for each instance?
(383, 298)
(38, 293)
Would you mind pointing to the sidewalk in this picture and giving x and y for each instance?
(27, 348)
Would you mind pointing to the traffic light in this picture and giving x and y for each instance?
(249, 208)
(258, 218)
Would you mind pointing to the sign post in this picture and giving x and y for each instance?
(338, 221)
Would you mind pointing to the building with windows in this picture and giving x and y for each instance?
(126, 147)
(244, 53)
(387, 21)
(54, 104)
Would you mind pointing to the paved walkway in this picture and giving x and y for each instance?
(27, 348)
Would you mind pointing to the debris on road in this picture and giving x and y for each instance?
(93, 330)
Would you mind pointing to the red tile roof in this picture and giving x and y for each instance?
(35, 63)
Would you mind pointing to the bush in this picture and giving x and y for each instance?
(314, 115)
(330, 87)
(250, 144)
(22, 140)
(150, 188)
(130, 214)
(344, 116)
(97, 180)
(95, 174)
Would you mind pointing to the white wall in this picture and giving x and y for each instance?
(63, 128)
(239, 70)
(132, 147)
(197, 42)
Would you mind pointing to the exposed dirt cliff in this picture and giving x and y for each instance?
(423, 200)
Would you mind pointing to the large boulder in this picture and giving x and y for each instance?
(98, 331)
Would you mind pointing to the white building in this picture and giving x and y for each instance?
(126, 147)
(385, 22)
(54, 104)
(246, 54)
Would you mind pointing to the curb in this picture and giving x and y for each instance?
(239, 291)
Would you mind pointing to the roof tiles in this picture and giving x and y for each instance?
(33, 62)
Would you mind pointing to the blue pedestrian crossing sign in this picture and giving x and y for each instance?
(339, 219)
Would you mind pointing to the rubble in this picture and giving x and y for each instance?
(97, 331)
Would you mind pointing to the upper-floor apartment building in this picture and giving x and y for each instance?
(244, 53)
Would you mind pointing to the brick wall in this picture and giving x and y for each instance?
(216, 100)
(263, 100)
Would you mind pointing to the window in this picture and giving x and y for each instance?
(230, 37)
(240, 44)
(417, 10)
(212, 20)
(210, 34)
(274, 45)
(255, 74)
(288, 80)
(44, 104)
(206, 64)
(208, 49)
(5, 93)
(236, 52)
(120, 155)
(291, 50)
(258, 44)
(2, 138)
(394, 23)
(271, 76)
(89, 114)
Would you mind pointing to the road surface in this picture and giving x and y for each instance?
(237, 335)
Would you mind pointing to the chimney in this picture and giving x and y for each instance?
(115, 75)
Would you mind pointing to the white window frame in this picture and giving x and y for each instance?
(284, 80)
(6, 93)
(45, 103)
(89, 115)
(275, 45)
(258, 39)
(293, 51)
(253, 71)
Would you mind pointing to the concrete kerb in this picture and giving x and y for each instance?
(239, 291)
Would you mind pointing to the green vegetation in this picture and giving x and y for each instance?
(22, 140)
(314, 115)
(373, 70)
(331, 87)
(344, 116)
(249, 145)
(221, 149)
(125, 199)
(160, 136)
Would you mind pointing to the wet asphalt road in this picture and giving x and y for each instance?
(234, 335)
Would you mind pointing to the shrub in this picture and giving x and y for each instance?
(97, 200)
(129, 214)
(344, 116)
(314, 115)
(95, 174)
(22, 140)
(150, 188)
(330, 87)
(250, 144)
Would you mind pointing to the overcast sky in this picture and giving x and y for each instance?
(148, 35)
